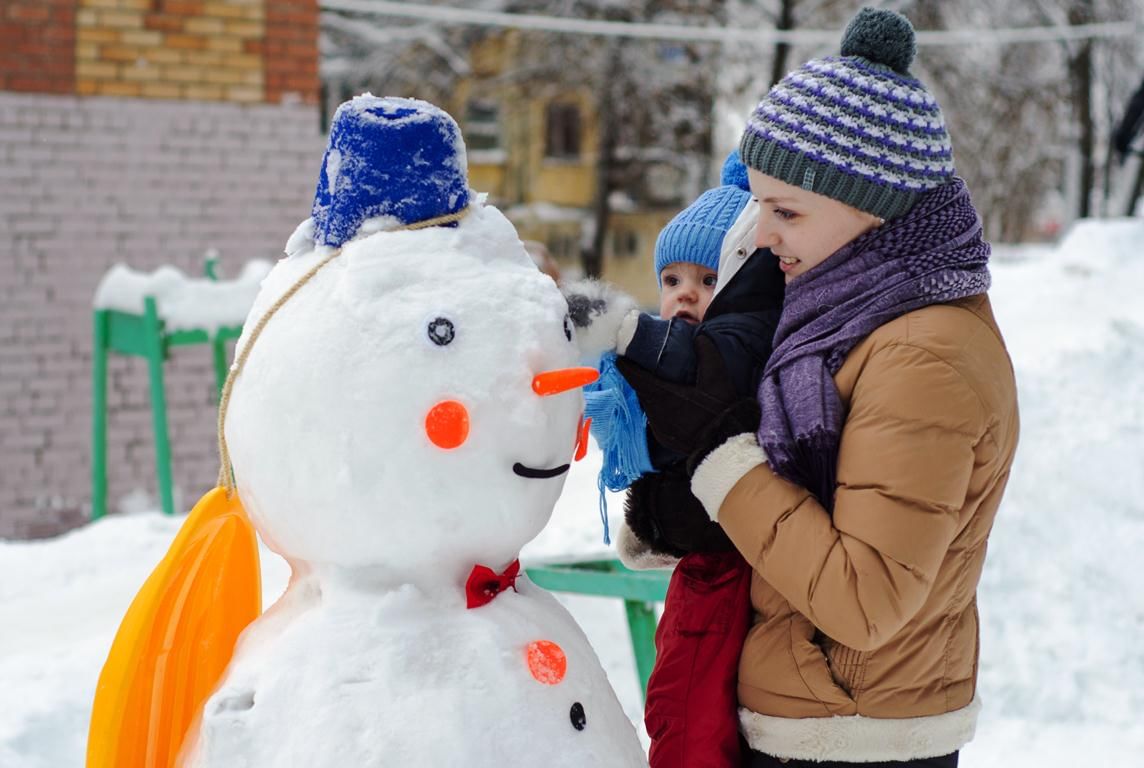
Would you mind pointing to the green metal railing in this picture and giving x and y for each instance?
(639, 590)
(143, 336)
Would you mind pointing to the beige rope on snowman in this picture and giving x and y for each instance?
(225, 476)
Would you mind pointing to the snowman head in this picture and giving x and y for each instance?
(403, 412)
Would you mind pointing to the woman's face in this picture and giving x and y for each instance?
(803, 228)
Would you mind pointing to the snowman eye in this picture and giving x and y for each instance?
(568, 327)
(441, 331)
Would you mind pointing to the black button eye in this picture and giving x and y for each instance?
(568, 327)
(441, 331)
(579, 719)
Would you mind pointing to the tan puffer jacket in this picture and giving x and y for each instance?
(865, 640)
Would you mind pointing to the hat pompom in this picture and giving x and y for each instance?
(734, 173)
(883, 37)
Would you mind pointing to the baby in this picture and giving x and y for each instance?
(720, 303)
(712, 288)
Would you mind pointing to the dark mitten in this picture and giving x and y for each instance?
(741, 416)
(693, 419)
(662, 512)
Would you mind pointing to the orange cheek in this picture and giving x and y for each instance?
(447, 424)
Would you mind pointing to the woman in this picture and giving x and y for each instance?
(888, 422)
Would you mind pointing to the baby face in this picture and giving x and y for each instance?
(686, 291)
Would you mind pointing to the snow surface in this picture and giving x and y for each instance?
(1062, 675)
(183, 302)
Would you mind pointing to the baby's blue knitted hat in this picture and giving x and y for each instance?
(401, 158)
(858, 128)
(695, 235)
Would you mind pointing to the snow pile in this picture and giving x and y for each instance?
(183, 302)
(1062, 612)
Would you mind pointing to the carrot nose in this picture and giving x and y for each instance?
(562, 379)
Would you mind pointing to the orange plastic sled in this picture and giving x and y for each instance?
(177, 638)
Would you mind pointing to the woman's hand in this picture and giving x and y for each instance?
(693, 420)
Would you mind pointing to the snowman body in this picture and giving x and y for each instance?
(409, 678)
(373, 656)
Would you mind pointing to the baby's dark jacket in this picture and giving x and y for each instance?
(741, 321)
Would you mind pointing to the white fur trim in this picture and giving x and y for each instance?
(859, 739)
(611, 308)
(717, 474)
(738, 244)
(636, 555)
(627, 331)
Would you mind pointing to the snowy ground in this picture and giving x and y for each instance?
(1062, 673)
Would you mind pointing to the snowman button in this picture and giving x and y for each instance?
(578, 717)
(546, 661)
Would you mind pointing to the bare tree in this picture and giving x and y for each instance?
(1029, 121)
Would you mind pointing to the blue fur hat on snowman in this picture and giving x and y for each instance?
(403, 159)
(696, 233)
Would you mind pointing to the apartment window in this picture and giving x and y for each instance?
(625, 244)
(482, 124)
(562, 139)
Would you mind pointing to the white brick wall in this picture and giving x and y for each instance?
(85, 183)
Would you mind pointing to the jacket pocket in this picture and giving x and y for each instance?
(847, 666)
(785, 673)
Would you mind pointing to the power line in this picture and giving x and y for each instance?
(764, 36)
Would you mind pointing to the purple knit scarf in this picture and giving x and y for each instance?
(932, 254)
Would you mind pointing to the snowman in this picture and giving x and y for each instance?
(400, 429)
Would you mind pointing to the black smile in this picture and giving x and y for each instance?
(541, 474)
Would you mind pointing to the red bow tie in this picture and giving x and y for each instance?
(484, 583)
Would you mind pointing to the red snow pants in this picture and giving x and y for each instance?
(692, 704)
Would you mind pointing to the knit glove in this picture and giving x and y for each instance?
(663, 514)
(693, 420)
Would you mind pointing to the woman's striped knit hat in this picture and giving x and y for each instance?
(858, 127)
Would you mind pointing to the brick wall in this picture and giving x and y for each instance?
(170, 50)
(243, 51)
(37, 45)
(289, 62)
(87, 182)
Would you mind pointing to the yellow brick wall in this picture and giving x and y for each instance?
(174, 49)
